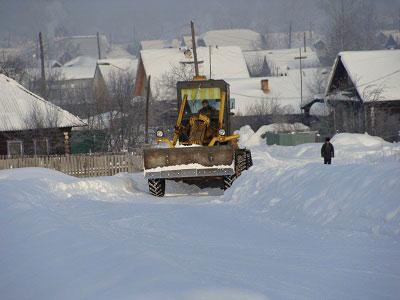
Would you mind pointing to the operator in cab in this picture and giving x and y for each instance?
(207, 109)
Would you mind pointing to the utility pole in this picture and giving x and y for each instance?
(146, 128)
(301, 80)
(305, 43)
(290, 35)
(209, 58)
(342, 26)
(196, 63)
(43, 73)
(98, 45)
(399, 20)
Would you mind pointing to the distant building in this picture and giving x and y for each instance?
(246, 39)
(391, 43)
(364, 92)
(283, 40)
(279, 62)
(322, 52)
(30, 125)
(160, 44)
(71, 85)
(186, 41)
(283, 92)
(108, 70)
(81, 46)
(167, 66)
(275, 99)
(389, 39)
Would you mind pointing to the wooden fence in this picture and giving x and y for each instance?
(87, 165)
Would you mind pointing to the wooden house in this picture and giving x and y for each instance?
(30, 125)
(364, 93)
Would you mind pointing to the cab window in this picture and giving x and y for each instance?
(195, 98)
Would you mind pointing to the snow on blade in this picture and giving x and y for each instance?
(188, 167)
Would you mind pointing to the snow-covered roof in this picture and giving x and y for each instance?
(81, 67)
(118, 51)
(319, 109)
(282, 60)
(18, 107)
(187, 39)
(114, 66)
(374, 73)
(246, 39)
(159, 44)
(227, 62)
(283, 90)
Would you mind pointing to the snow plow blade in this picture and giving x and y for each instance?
(189, 162)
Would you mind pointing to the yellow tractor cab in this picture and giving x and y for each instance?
(203, 150)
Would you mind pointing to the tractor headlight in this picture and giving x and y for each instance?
(221, 132)
(159, 133)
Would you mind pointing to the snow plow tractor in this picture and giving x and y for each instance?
(203, 150)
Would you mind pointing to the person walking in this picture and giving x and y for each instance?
(327, 151)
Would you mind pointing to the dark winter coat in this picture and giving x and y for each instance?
(327, 150)
(208, 110)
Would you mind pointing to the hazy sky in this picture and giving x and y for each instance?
(163, 18)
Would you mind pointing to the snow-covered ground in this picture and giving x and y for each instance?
(289, 228)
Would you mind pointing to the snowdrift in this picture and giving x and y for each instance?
(289, 228)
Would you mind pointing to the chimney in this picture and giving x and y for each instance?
(265, 86)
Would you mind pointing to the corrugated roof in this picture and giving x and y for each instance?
(19, 107)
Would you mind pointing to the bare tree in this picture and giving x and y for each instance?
(119, 114)
(352, 25)
(14, 67)
(270, 110)
(166, 86)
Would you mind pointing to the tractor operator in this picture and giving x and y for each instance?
(207, 109)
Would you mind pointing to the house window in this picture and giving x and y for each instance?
(41, 146)
(15, 148)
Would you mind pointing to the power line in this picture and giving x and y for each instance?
(371, 81)
(380, 78)
(263, 98)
